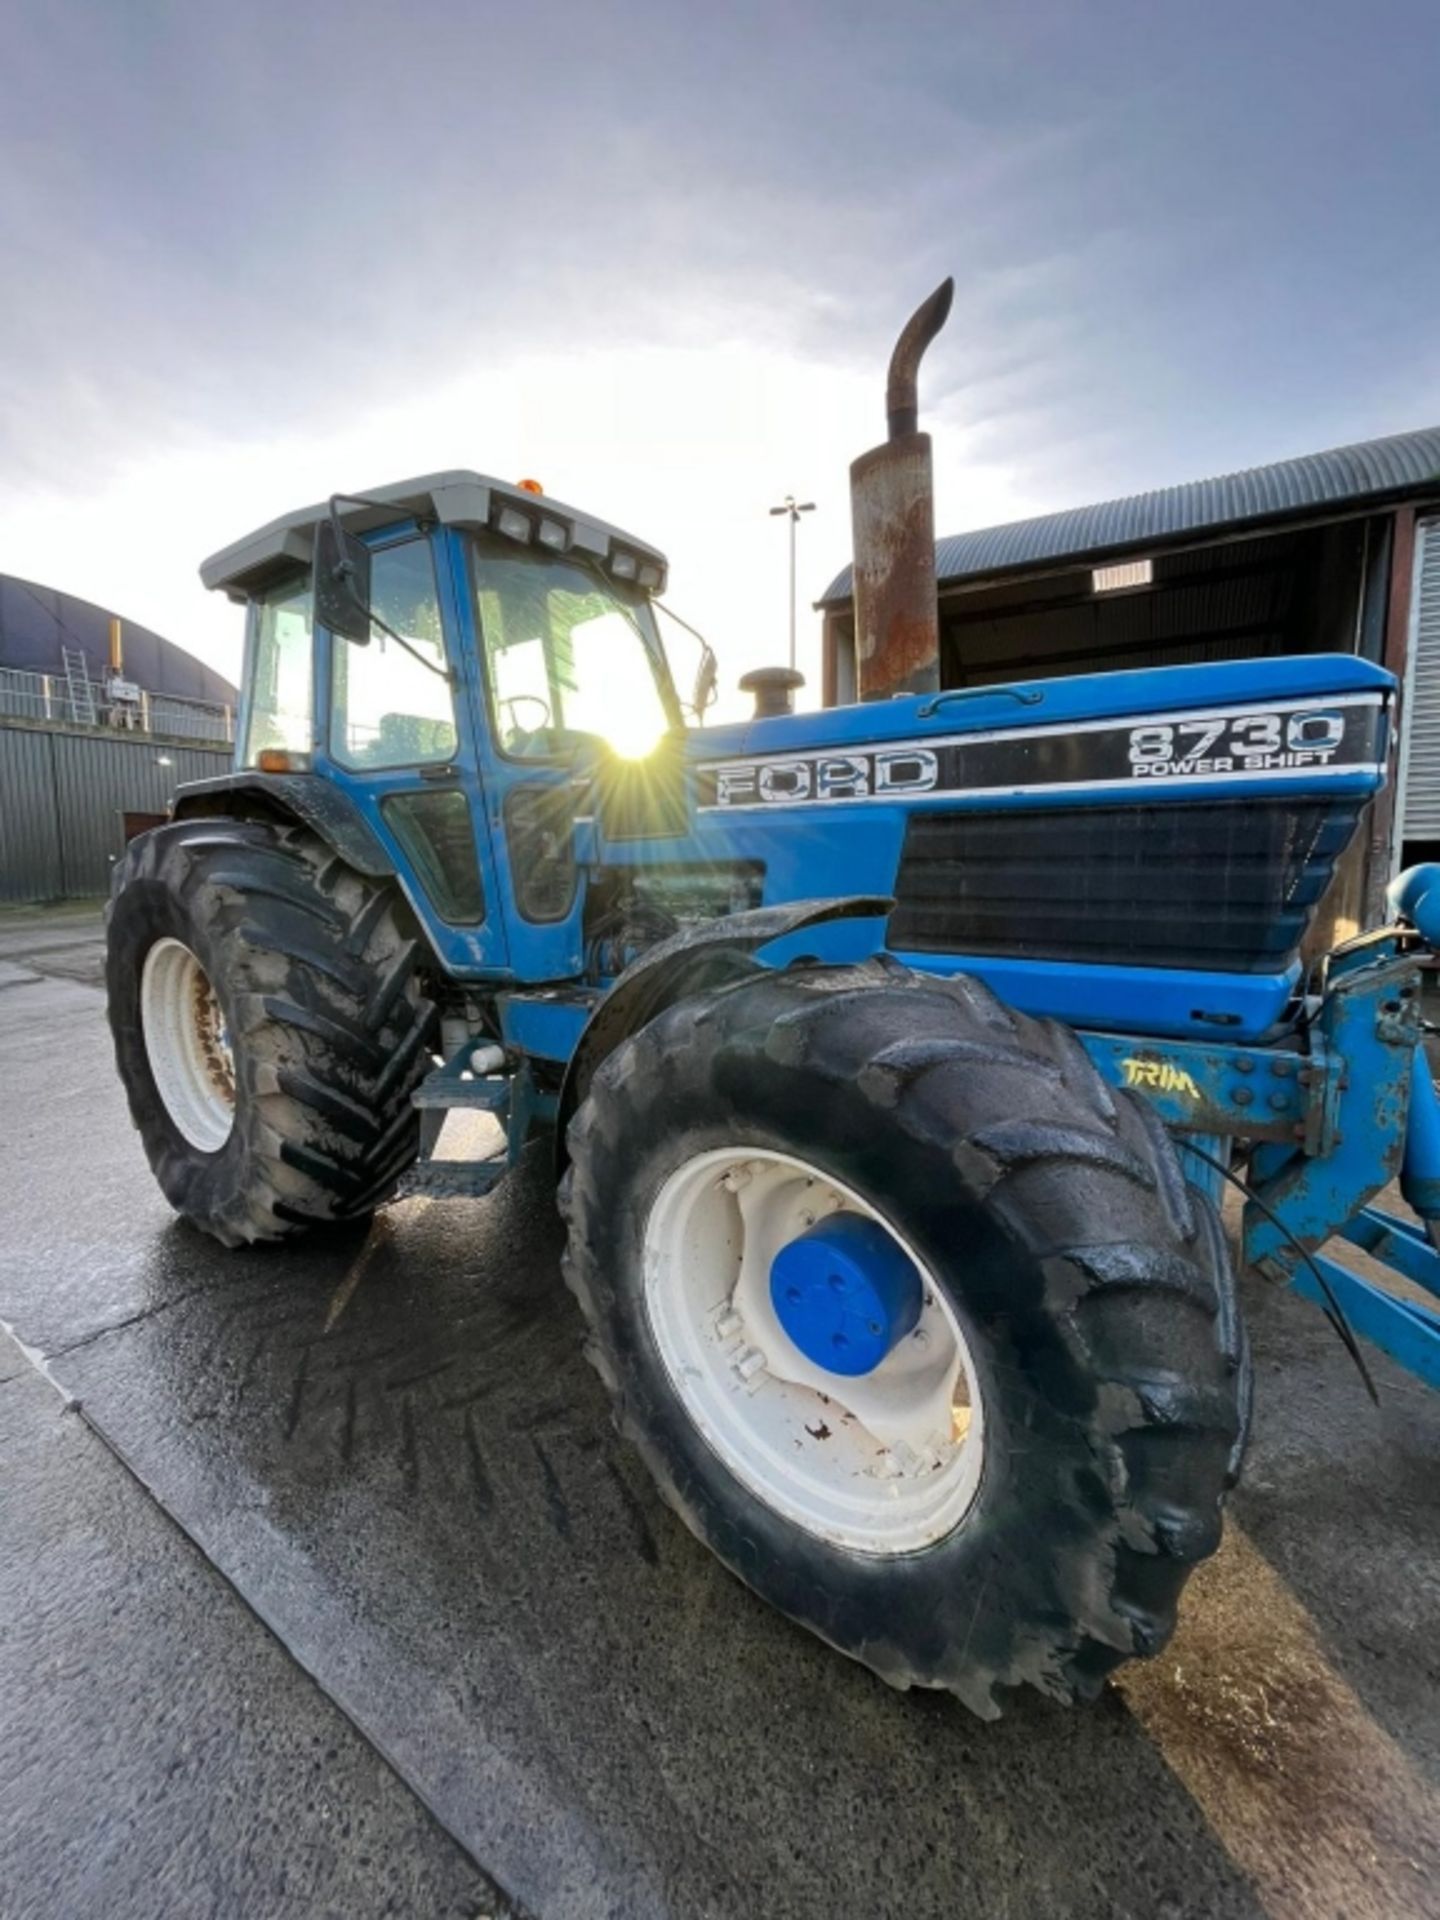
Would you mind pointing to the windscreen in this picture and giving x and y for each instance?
(569, 654)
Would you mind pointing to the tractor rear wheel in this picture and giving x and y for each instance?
(914, 1320)
(269, 1026)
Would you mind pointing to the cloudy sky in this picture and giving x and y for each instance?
(657, 254)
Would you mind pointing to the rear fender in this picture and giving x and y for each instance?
(300, 797)
(696, 960)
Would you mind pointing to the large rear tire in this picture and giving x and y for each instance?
(269, 1026)
(1099, 1369)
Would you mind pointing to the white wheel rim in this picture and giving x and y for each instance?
(187, 1045)
(886, 1462)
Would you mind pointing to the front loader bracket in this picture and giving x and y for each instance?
(1368, 1030)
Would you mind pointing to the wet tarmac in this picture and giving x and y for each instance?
(160, 1753)
(390, 1448)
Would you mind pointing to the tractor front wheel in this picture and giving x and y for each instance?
(269, 1026)
(914, 1320)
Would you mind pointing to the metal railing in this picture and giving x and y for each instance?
(50, 696)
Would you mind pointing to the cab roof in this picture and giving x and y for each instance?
(455, 499)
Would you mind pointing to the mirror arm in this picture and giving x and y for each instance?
(671, 614)
(447, 674)
(343, 571)
(708, 672)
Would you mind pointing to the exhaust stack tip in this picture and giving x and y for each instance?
(902, 403)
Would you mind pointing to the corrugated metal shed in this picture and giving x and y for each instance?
(61, 798)
(1401, 465)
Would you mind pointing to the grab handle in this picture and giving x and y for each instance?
(1026, 696)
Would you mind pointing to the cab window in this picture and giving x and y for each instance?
(282, 673)
(568, 654)
(393, 704)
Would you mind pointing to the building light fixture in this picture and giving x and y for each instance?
(1125, 573)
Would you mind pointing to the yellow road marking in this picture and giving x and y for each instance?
(376, 1238)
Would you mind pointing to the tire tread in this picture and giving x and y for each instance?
(330, 1019)
(1145, 1311)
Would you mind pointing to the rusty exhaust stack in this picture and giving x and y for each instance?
(892, 513)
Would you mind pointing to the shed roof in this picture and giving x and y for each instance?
(1373, 471)
(37, 622)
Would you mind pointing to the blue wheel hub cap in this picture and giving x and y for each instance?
(845, 1292)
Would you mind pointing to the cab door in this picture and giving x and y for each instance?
(532, 787)
(395, 721)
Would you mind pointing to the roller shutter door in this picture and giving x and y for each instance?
(1420, 797)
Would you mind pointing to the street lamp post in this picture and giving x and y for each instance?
(793, 510)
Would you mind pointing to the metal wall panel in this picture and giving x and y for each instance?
(1420, 773)
(61, 798)
(29, 828)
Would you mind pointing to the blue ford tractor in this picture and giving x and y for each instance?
(893, 1056)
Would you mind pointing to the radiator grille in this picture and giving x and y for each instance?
(1230, 886)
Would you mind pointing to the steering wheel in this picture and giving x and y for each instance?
(527, 700)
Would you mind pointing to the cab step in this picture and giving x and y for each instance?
(467, 1079)
(442, 1088)
(450, 1179)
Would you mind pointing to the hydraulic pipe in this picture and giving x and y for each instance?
(1420, 1168)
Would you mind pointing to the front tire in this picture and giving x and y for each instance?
(1100, 1369)
(269, 1026)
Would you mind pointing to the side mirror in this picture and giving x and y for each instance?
(707, 678)
(342, 582)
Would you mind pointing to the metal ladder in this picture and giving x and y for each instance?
(77, 681)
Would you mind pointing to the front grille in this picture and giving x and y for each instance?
(1229, 886)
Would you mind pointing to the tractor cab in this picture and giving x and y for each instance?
(462, 662)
